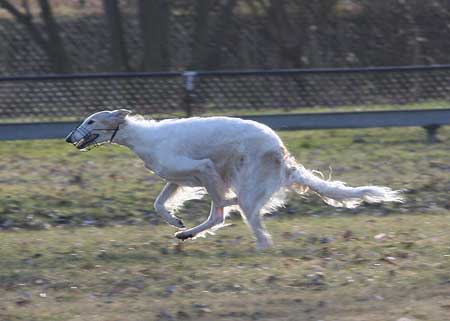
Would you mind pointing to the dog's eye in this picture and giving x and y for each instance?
(91, 122)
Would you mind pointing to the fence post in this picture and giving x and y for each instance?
(432, 133)
(189, 87)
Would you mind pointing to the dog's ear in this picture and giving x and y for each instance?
(119, 114)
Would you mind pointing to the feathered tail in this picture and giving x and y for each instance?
(338, 194)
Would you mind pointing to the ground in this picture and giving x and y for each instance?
(80, 240)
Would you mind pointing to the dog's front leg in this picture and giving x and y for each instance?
(214, 184)
(216, 217)
(203, 172)
(166, 193)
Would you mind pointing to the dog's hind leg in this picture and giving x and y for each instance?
(216, 217)
(257, 189)
(251, 209)
(168, 190)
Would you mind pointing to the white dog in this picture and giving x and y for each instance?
(242, 164)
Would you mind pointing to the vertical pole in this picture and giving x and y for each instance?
(189, 87)
(432, 133)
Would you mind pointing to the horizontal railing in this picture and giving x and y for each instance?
(431, 120)
(47, 106)
(244, 72)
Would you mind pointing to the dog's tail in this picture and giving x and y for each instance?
(336, 193)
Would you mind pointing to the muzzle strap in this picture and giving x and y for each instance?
(114, 134)
(88, 141)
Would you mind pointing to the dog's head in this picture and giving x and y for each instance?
(97, 129)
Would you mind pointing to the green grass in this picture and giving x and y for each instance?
(136, 273)
(81, 240)
(50, 182)
(214, 110)
(210, 111)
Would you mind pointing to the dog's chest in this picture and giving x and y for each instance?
(150, 162)
(152, 165)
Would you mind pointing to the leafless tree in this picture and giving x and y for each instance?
(50, 41)
(154, 16)
(201, 20)
(118, 47)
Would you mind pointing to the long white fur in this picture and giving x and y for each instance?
(185, 193)
(236, 158)
(338, 194)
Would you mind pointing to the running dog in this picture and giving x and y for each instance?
(241, 164)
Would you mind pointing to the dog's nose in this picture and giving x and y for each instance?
(69, 138)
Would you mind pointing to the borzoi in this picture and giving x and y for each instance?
(241, 164)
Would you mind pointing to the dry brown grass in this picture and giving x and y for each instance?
(327, 264)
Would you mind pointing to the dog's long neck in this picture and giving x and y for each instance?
(134, 132)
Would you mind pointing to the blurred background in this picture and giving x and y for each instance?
(358, 89)
(62, 36)
(220, 57)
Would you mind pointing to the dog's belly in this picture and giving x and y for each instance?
(189, 182)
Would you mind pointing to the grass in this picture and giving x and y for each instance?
(77, 244)
(437, 104)
(49, 182)
(316, 271)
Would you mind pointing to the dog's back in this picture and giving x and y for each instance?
(217, 137)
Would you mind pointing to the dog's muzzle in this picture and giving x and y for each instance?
(86, 141)
(89, 139)
(82, 143)
(69, 138)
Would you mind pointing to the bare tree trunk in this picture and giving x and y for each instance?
(60, 59)
(53, 46)
(154, 18)
(118, 47)
(415, 42)
(200, 49)
(219, 35)
(27, 21)
(281, 31)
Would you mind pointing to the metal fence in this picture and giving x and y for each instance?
(70, 97)
(230, 34)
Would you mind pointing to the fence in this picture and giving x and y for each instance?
(71, 97)
(229, 34)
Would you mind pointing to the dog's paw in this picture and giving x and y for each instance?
(183, 235)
